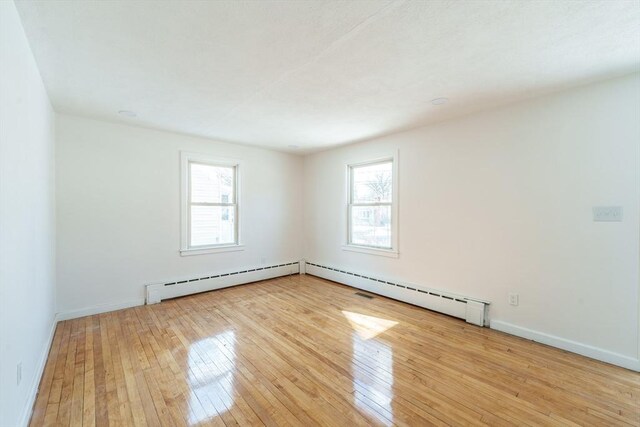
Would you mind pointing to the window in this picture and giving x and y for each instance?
(210, 205)
(371, 207)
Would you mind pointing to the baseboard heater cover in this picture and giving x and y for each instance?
(472, 310)
(157, 292)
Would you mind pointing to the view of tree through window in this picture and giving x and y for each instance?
(212, 206)
(370, 204)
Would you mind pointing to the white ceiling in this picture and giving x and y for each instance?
(318, 73)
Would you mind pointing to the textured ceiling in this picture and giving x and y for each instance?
(318, 73)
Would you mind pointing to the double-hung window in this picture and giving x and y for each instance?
(210, 207)
(372, 210)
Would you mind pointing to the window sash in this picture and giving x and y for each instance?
(190, 204)
(372, 204)
(212, 204)
(350, 225)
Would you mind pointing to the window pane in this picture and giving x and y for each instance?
(371, 226)
(372, 183)
(211, 184)
(212, 225)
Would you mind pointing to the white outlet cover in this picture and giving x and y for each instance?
(514, 299)
(607, 213)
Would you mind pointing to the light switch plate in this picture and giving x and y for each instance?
(607, 213)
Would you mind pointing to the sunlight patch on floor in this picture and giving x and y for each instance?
(368, 326)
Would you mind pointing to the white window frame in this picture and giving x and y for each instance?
(373, 250)
(186, 159)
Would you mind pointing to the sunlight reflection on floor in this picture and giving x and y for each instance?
(211, 367)
(372, 363)
(373, 378)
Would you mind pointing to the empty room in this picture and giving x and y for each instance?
(319, 213)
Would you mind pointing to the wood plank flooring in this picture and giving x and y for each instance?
(304, 351)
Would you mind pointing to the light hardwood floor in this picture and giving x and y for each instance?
(304, 351)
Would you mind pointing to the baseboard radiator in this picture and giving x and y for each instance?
(157, 292)
(472, 310)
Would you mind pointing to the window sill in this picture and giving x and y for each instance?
(212, 250)
(371, 251)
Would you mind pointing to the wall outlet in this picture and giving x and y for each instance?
(607, 213)
(514, 299)
(19, 373)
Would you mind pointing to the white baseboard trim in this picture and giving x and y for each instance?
(565, 344)
(98, 309)
(35, 383)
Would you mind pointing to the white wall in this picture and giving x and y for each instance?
(118, 211)
(501, 202)
(27, 221)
